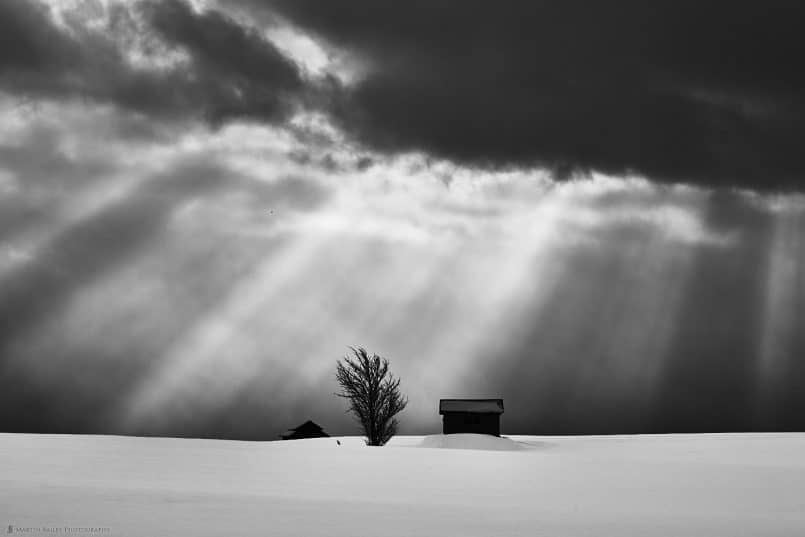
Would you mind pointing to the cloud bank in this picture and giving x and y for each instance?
(162, 59)
(674, 91)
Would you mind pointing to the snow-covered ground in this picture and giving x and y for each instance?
(673, 485)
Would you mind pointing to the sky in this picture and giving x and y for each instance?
(592, 210)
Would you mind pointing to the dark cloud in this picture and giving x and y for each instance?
(705, 93)
(231, 71)
(244, 73)
(28, 40)
(677, 91)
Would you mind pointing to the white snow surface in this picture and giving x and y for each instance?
(666, 485)
(471, 441)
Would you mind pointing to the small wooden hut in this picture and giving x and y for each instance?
(481, 416)
(309, 429)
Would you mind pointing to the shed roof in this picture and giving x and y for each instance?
(308, 425)
(480, 406)
(309, 429)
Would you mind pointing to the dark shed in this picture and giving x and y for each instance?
(480, 416)
(309, 429)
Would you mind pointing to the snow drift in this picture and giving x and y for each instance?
(675, 485)
(470, 441)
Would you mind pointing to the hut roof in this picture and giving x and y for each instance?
(309, 429)
(479, 406)
(307, 426)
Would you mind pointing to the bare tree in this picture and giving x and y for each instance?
(373, 393)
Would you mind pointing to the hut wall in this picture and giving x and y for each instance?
(470, 422)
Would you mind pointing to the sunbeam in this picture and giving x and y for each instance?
(241, 265)
(782, 313)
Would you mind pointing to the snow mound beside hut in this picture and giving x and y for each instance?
(470, 441)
